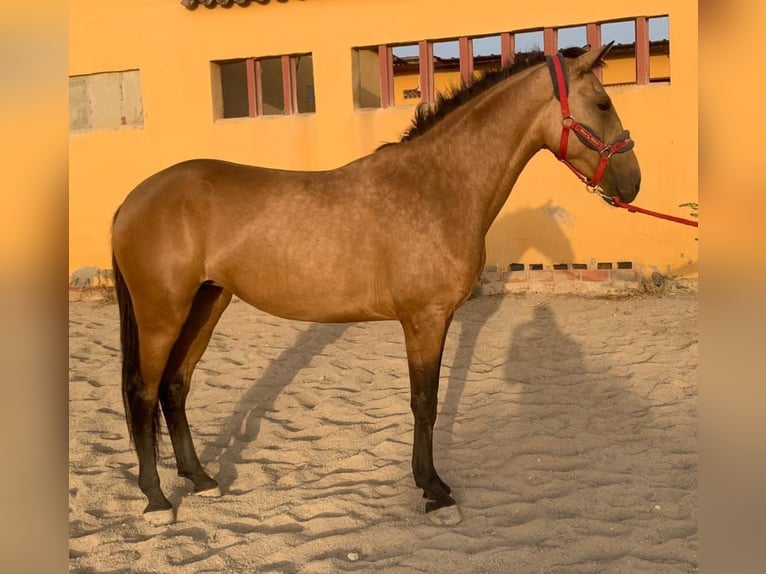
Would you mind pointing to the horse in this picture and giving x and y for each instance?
(398, 234)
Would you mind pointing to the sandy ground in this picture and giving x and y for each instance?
(567, 430)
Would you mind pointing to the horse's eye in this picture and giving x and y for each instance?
(604, 106)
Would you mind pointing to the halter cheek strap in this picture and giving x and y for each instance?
(587, 136)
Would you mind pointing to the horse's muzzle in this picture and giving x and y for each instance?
(629, 192)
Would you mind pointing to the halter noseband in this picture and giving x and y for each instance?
(622, 144)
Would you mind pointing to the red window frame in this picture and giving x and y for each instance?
(255, 85)
(508, 48)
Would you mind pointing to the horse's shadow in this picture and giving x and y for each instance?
(244, 424)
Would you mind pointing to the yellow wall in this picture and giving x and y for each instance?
(405, 82)
(173, 47)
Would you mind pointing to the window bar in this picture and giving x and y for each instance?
(550, 37)
(251, 88)
(426, 55)
(258, 88)
(286, 84)
(466, 59)
(642, 50)
(294, 84)
(385, 58)
(593, 32)
(507, 49)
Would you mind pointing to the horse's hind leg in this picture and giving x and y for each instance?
(151, 321)
(155, 341)
(424, 335)
(209, 304)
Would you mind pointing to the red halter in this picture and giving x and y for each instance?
(622, 144)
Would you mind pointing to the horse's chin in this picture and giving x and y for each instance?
(619, 195)
(627, 197)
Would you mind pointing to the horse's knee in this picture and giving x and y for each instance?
(423, 407)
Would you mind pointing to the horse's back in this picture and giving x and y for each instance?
(201, 193)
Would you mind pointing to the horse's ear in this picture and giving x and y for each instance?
(592, 58)
(604, 51)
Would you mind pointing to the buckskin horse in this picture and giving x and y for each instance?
(348, 244)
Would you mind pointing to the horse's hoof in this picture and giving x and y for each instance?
(446, 516)
(160, 517)
(209, 493)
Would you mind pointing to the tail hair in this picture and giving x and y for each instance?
(131, 369)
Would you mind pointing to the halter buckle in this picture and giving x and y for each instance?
(597, 189)
(594, 189)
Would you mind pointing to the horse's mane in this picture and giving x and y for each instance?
(427, 117)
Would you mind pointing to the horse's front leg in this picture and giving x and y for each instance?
(424, 335)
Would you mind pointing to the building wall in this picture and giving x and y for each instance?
(549, 217)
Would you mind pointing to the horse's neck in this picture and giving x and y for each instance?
(483, 146)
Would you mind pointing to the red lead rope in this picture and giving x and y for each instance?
(634, 209)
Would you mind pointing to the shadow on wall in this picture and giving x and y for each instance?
(540, 228)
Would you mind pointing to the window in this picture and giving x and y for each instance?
(105, 101)
(529, 41)
(641, 53)
(573, 36)
(659, 49)
(411, 73)
(272, 92)
(406, 74)
(250, 87)
(621, 60)
(486, 53)
(446, 65)
(304, 83)
(366, 73)
(234, 88)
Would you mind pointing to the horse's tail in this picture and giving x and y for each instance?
(131, 366)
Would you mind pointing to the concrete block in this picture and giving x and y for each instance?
(541, 276)
(595, 274)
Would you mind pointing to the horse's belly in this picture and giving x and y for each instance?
(316, 299)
